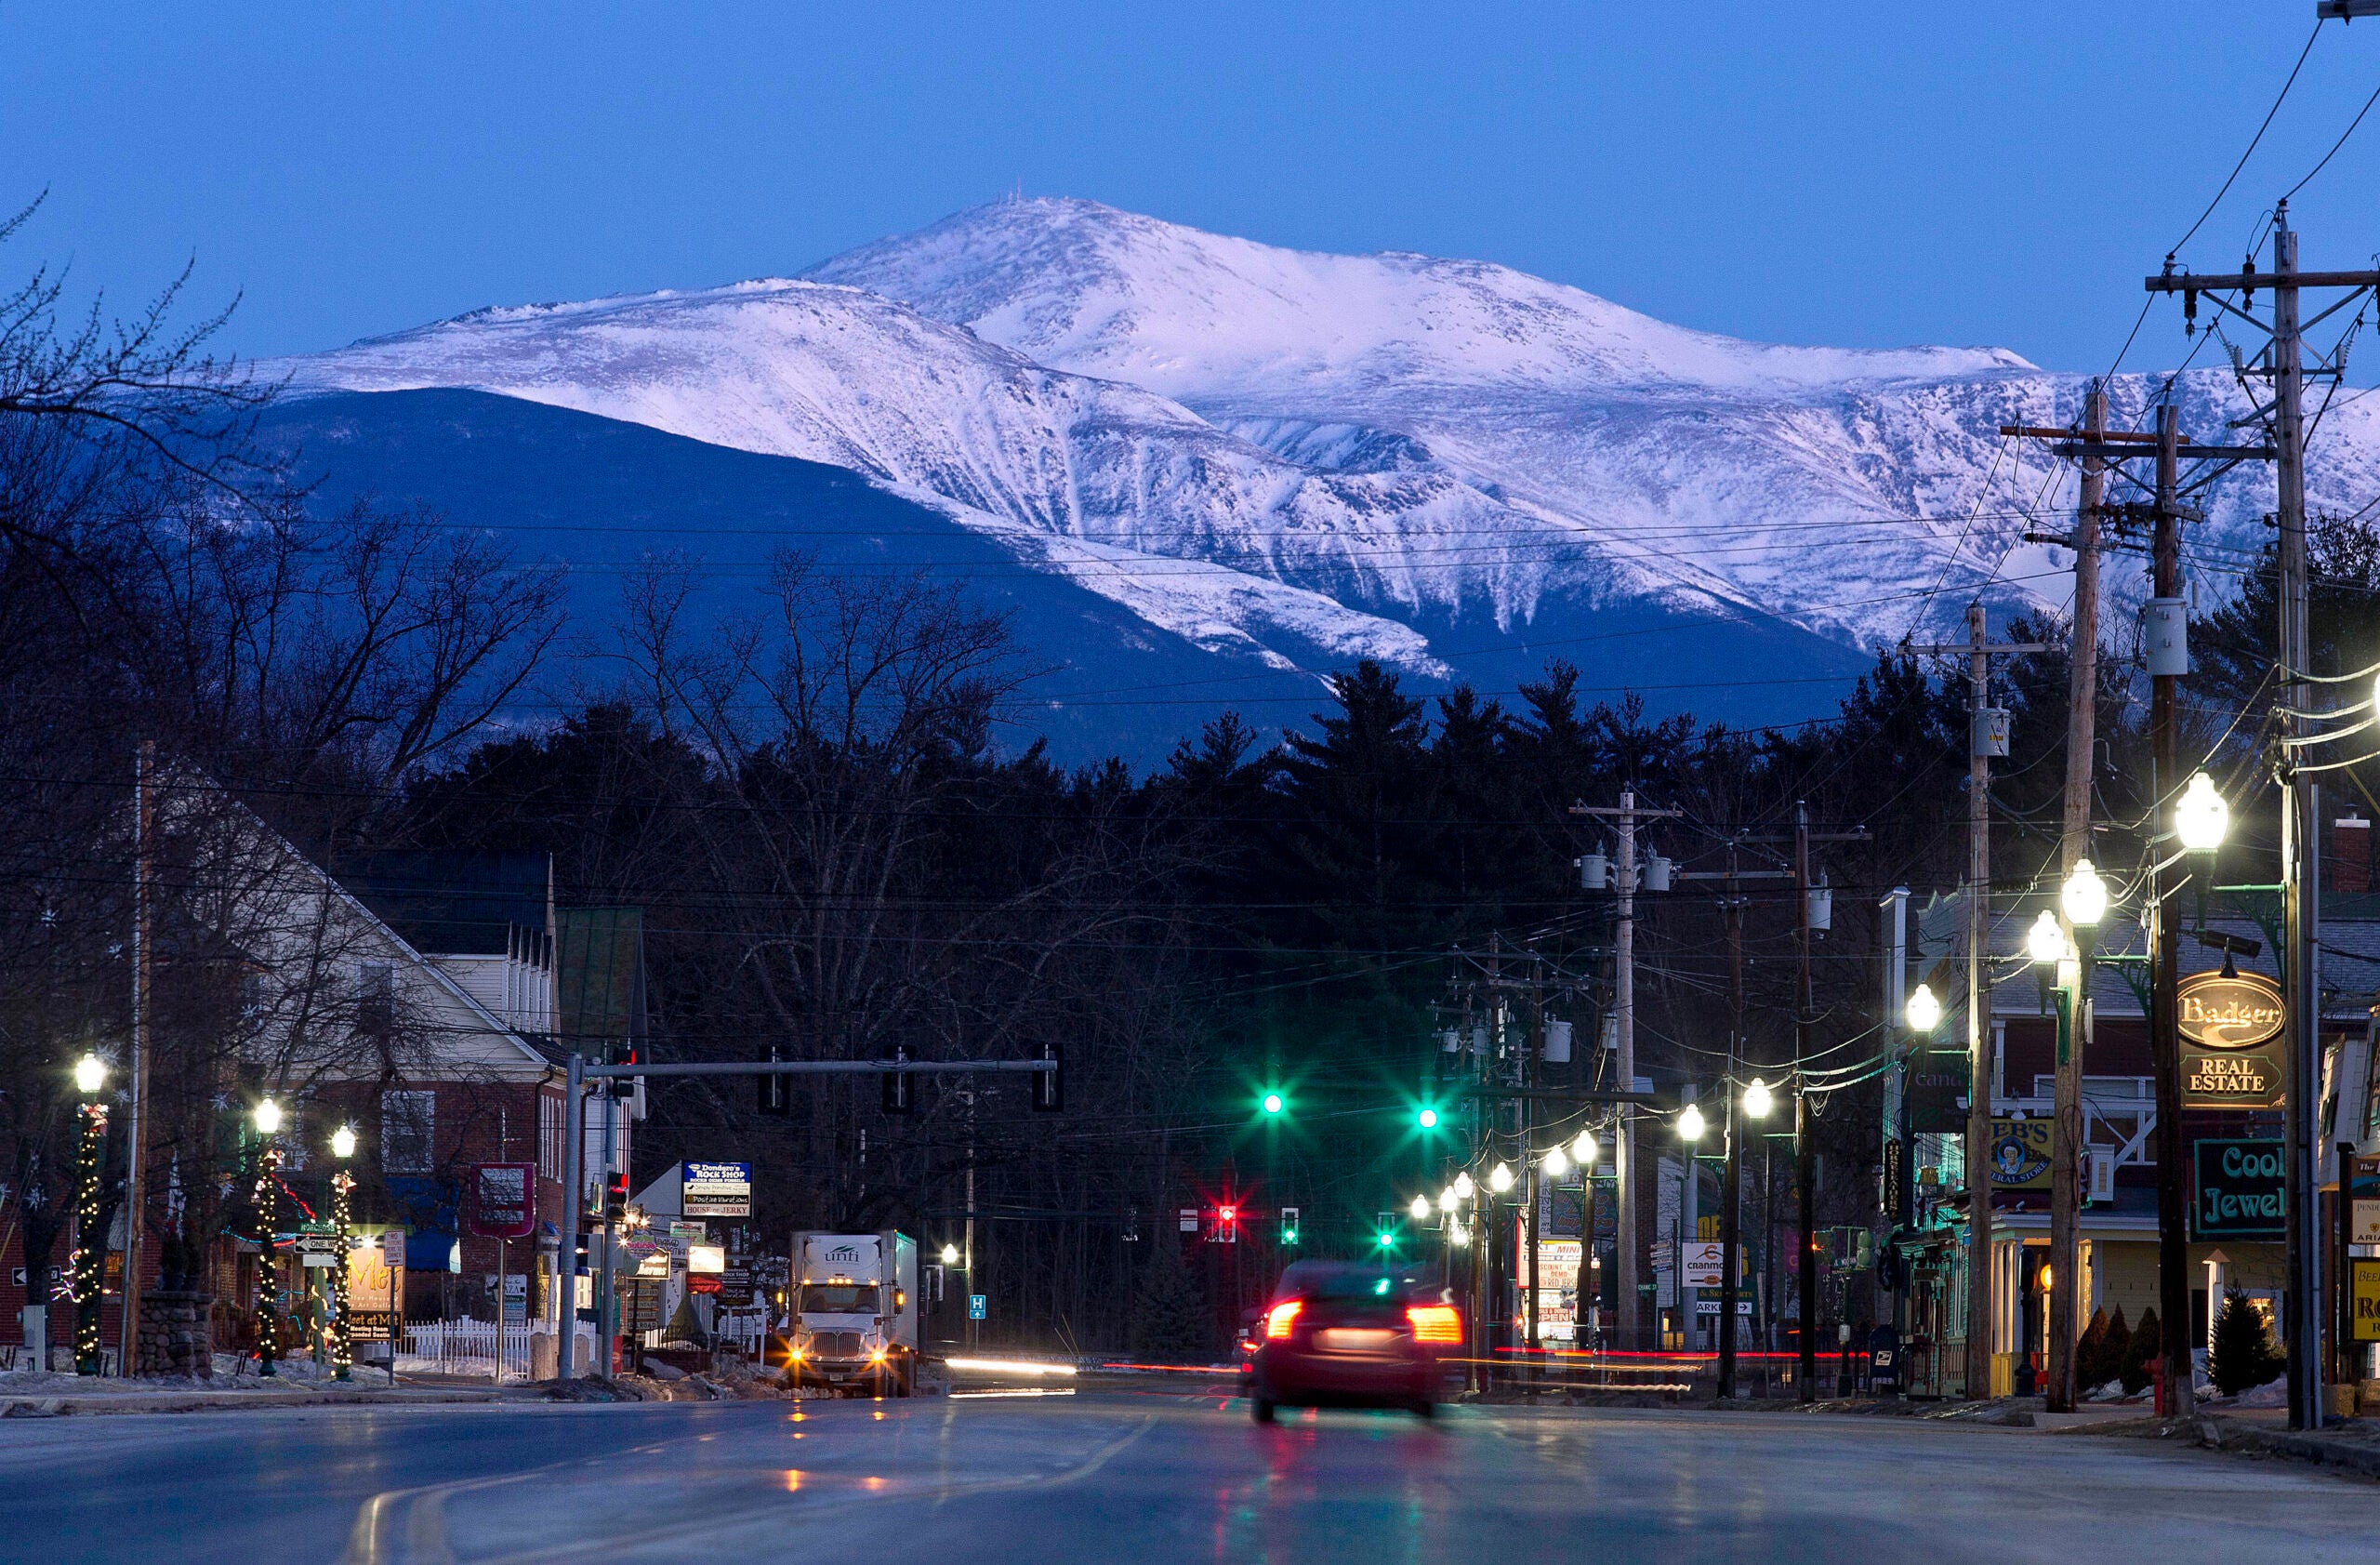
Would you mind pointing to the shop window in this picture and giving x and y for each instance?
(550, 1129)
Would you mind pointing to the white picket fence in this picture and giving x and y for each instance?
(471, 1347)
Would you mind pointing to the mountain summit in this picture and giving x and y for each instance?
(1290, 459)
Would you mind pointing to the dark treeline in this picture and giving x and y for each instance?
(843, 845)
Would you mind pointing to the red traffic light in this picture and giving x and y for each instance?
(1227, 1214)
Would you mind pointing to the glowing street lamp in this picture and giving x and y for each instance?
(90, 1239)
(1583, 1150)
(1758, 1100)
(268, 1209)
(1557, 1163)
(2084, 896)
(1448, 1200)
(91, 1075)
(1500, 1178)
(2044, 942)
(1420, 1209)
(1924, 1013)
(342, 1332)
(1689, 1123)
(951, 1254)
(268, 1118)
(2201, 819)
(1464, 1187)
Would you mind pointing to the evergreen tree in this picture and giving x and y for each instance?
(2148, 1342)
(1169, 1319)
(2090, 1354)
(2243, 1356)
(2109, 1364)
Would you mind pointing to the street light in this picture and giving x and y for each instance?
(1500, 1178)
(2201, 819)
(2084, 896)
(951, 1254)
(1420, 1209)
(2044, 942)
(1464, 1187)
(342, 1332)
(90, 1239)
(1582, 1152)
(268, 1207)
(1557, 1162)
(1689, 1123)
(1448, 1200)
(1924, 1013)
(1758, 1100)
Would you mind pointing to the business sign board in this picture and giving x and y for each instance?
(1705, 1265)
(503, 1200)
(2020, 1154)
(1937, 1092)
(2363, 1300)
(718, 1190)
(2230, 1024)
(2242, 1188)
(2363, 1201)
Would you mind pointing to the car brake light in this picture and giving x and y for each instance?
(1434, 1323)
(1278, 1319)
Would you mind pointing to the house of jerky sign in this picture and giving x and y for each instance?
(2228, 1023)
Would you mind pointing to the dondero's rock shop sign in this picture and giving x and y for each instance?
(2229, 1023)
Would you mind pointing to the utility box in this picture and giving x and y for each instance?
(1557, 1040)
(2164, 636)
(1987, 732)
(1595, 871)
(1656, 872)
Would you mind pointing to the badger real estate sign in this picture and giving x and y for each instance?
(2243, 1190)
(717, 1190)
(2230, 1023)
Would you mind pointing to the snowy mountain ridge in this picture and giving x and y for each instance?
(1300, 458)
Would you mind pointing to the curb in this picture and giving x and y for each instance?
(207, 1402)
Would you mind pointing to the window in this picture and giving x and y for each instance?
(548, 1137)
(375, 998)
(408, 1122)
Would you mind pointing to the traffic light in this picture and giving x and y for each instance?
(900, 1087)
(777, 1091)
(1289, 1225)
(1226, 1224)
(615, 1196)
(1384, 1232)
(1427, 1119)
(1049, 1083)
(1273, 1103)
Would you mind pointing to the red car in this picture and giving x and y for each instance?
(1341, 1334)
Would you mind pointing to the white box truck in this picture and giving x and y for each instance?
(852, 1303)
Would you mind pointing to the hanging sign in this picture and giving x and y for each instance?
(1937, 1092)
(503, 1204)
(2363, 1202)
(2229, 1024)
(718, 1190)
(2243, 1189)
(2364, 1297)
(2020, 1154)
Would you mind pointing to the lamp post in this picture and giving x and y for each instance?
(2083, 898)
(1689, 1128)
(268, 1207)
(342, 1334)
(90, 1239)
(1753, 1102)
(2201, 819)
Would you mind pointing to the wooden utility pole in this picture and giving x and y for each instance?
(2164, 1035)
(2074, 846)
(1731, 1194)
(136, 1120)
(1805, 1155)
(1623, 1151)
(2283, 363)
(1985, 738)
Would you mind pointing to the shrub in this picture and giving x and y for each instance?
(2243, 1356)
(2148, 1342)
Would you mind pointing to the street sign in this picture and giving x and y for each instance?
(317, 1249)
(503, 1202)
(717, 1190)
(1711, 1307)
(2020, 1154)
(975, 1306)
(2243, 1190)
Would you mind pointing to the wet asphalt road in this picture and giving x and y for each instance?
(1108, 1477)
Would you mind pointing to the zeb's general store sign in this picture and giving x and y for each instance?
(2226, 1021)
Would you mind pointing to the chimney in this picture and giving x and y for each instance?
(2351, 854)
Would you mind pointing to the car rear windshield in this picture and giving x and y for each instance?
(1352, 1283)
(839, 1298)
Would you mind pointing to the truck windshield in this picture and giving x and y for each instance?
(839, 1298)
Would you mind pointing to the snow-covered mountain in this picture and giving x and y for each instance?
(1296, 459)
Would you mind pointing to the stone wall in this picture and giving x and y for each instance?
(177, 1334)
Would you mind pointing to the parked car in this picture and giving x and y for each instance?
(1344, 1334)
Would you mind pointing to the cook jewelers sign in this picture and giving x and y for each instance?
(2226, 1020)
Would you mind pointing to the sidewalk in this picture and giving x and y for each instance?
(43, 1394)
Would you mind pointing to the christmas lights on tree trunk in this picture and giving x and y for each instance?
(90, 1241)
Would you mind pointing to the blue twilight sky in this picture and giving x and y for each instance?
(1843, 173)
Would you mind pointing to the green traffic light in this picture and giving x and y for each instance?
(1427, 1119)
(1273, 1104)
(1387, 1240)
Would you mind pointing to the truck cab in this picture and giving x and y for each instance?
(853, 1307)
